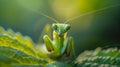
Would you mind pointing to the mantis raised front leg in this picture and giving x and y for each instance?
(61, 44)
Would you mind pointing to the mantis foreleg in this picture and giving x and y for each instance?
(49, 44)
(70, 47)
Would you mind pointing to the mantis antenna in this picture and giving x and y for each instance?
(91, 12)
(40, 13)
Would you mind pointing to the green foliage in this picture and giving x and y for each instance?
(103, 58)
(18, 50)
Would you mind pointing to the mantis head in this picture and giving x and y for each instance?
(61, 28)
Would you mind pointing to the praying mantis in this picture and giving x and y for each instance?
(62, 45)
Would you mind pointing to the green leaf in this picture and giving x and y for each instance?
(18, 50)
(99, 57)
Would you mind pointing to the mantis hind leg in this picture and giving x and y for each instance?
(46, 30)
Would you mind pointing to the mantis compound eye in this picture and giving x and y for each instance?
(67, 28)
(54, 26)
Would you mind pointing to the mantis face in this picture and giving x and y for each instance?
(61, 28)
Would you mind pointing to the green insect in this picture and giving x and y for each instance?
(61, 44)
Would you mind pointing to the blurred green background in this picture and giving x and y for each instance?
(92, 29)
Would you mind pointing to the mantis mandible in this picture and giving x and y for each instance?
(62, 44)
